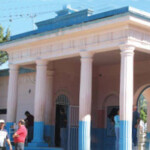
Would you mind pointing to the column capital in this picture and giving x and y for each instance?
(41, 62)
(14, 67)
(85, 54)
(127, 48)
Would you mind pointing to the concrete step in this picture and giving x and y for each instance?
(43, 148)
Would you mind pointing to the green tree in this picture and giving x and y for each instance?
(143, 115)
(3, 38)
(143, 108)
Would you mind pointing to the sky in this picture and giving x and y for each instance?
(20, 15)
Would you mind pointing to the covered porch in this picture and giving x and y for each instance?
(94, 67)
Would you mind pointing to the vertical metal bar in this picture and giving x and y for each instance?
(68, 144)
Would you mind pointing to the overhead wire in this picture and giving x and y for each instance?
(24, 15)
(31, 13)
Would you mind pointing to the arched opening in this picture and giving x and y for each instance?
(61, 120)
(110, 105)
(142, 103)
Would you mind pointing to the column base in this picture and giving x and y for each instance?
(84, 135)
(125, 142)
(49, 134)
(38, 135)
(10, 129)
(147, 143)
(38, 144)
(9, 125)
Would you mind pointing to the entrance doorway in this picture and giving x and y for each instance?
(142, 109)
(61, 121)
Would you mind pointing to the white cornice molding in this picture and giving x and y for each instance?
(100, 23)
(139, 22)
(95, 42)
(139, 12)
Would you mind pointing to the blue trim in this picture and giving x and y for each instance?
(38, 138)
(9, 127)
(147, 143)
(38, 132)
(65, 20)
(148, 135)
(4, 72)
(125, 135)
(21, 71)
(49, 134)
(73, 138)
(84, 135)
(47, 130)
(98, 139)
(108, 14)
(108, 140)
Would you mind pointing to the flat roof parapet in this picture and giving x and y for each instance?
(66, 19)
(78, 17)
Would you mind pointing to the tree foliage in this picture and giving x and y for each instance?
(143, 115)
(3, 38)
(143, 108)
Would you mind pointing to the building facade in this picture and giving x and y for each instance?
(86, 65)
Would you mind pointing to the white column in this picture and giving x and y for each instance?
(39, 103)
(49, 98)
(49, 128)
(12, 94)
(85, 101)
(126, 96)
(40, 90)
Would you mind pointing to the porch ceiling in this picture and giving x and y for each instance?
(111, 57)
(105, 58)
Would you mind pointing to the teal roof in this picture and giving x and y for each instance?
(5, 72)
(67, 19)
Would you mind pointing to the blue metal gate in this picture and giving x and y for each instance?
(73, 126)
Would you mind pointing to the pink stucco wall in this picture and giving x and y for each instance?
(25, 98)
(26, 91)
(106, 81)
(3, 94)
